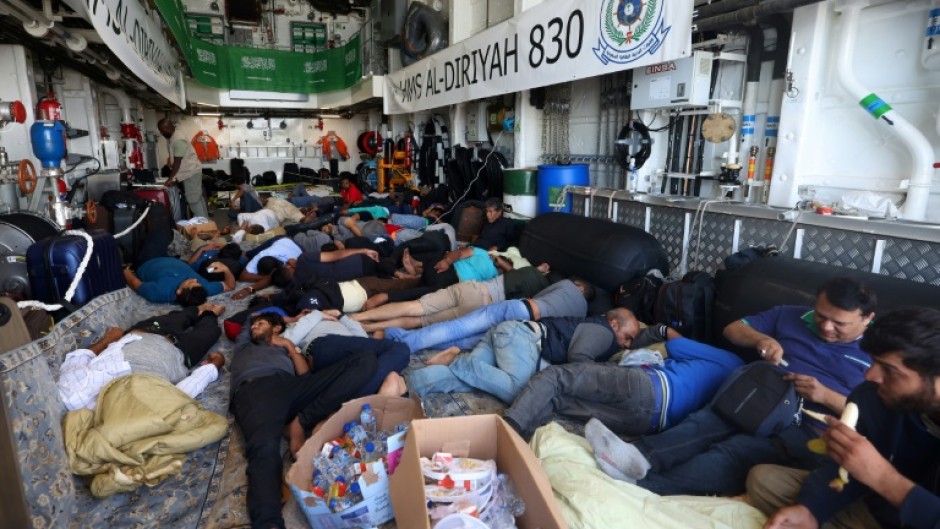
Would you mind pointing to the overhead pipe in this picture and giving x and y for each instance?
(718, 8)
(38, 26)
(749, 15)
(124, 102)
(918, 192)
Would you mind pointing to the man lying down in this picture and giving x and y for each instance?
(166, 346)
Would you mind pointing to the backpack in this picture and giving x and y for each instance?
(120, 199)
(291, 173)
(638, 295)
(757, 399)
(686, 305)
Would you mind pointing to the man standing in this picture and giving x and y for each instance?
(893, 459)
(272, 386)
(185, 167)
(512, 352)
(704, 454)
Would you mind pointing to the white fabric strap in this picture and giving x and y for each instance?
(70, 293)
(134, 225)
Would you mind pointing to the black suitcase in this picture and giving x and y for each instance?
(130, 243)
(54, 261)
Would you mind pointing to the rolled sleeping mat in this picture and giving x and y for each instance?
(606, 252)
(520, 190)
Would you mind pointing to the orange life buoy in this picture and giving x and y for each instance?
(26, 174)
(91, 211)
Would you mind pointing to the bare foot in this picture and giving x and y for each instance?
(373, 302)
(444, 358)
(408, 263)
(399, 274)
(296, 437)
(214, 358)
(393, 386)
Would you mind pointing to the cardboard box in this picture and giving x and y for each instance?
(376, 506)
(489, 438)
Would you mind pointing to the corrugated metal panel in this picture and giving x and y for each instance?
(837, 247)
(910, 259)
(915, 260)
(667, 225)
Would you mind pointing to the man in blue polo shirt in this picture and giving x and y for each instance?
(706, 455)
(170, 280)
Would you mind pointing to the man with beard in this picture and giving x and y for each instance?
(272, 385)
(893, 459)
(185, 167)
(822, 354)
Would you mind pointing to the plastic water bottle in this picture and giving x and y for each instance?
(354, 494)
(367, 419)
(632, 183)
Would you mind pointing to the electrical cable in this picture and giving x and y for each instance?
(622, 148)
(475, 178)
(791, 230)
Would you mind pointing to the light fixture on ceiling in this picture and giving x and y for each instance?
(209, 114)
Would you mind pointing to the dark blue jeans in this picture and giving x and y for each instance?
(705, 455)
(390, 356)
(262, 407)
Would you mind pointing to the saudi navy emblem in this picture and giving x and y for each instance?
(630, 29)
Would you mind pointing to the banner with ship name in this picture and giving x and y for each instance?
(134, 34)
(554, 42)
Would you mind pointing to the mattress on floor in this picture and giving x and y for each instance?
(208, 493)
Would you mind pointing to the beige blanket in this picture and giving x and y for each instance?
(138, 434)
(592, 500)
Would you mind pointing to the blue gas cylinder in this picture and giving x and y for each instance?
(48, 139)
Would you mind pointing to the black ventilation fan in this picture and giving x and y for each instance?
(633, 142)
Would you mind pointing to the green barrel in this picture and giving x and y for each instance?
(520, 190)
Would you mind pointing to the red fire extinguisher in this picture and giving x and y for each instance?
(49, 108)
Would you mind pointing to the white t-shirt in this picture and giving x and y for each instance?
(264, 218)
(282, 249)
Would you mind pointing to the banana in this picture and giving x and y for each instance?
(850, 419)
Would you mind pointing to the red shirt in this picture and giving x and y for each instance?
(351, 195)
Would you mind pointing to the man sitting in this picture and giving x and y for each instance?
(821, 347)
(891, 458)
(165, 346)
(498, 232)
(631, 398)
(510, 354)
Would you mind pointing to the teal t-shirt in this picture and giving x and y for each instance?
(162, 276)
(477, 267)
